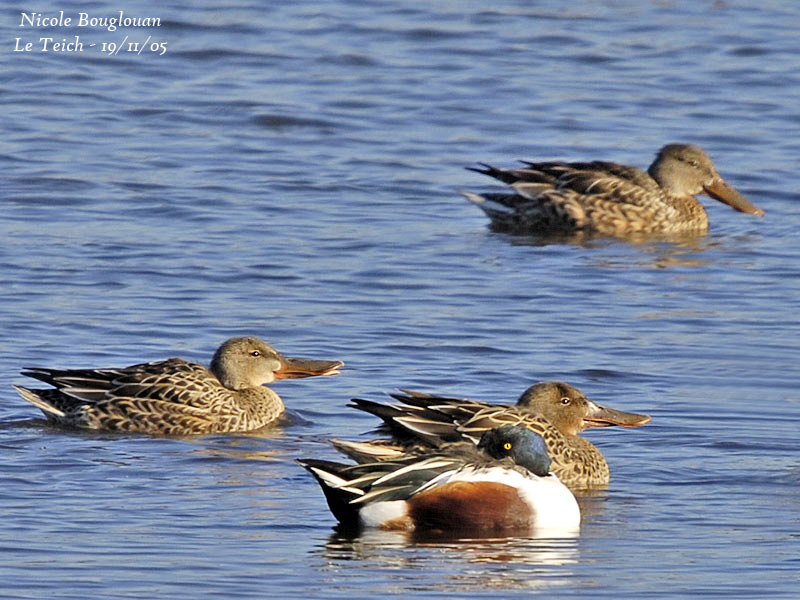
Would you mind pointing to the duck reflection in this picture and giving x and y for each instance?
(452, 562)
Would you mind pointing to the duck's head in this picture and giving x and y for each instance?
(523, 445)
(248, 362)
(571, 411)
(686, 170)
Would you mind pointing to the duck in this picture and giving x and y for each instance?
(559, 412)
(501, 485)
(174, 396)
(607, 198)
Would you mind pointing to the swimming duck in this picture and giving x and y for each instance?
(607, 198)
(502, 485)
(555, 410)
(175, 397)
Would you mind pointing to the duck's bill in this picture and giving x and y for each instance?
(295, 368)
(720, 190)
(600, 416)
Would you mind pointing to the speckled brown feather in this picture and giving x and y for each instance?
(173, 396)
(576, 461)
(420, 421)
(170, 397)
(603, 197)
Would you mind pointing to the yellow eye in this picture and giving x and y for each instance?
(507, 445)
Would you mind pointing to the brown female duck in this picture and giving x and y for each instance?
(175, 397)
(609, 199)
(553, 409)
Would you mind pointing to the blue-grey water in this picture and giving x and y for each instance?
(291, 170)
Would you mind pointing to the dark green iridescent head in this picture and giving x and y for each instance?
(524, 446)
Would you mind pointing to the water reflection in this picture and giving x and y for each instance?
(441, 564)
(589, 240)
(457, 565)
(660, 253)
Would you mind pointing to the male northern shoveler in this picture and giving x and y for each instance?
(175, 397)
(607, 198)
(555, 410)
(502, 485)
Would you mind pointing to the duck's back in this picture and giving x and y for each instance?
(599, 197)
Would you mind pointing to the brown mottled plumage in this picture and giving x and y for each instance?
(175, 397)
(555, 410)
(607, 198)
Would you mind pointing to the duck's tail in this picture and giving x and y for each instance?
(38, 399)
(334, 486)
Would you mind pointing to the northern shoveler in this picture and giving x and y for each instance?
(175, 397)
(607, 198)
(502, 485)
(555, 410)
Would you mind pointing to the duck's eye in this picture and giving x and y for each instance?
(565, 400)
(255, 353)
(694, 163)
(508, 446)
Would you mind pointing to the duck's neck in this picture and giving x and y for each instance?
(582, 445)
(692, 214)
(252, 408)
